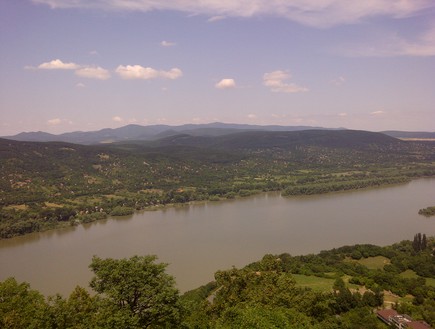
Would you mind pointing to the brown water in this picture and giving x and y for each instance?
(197, 240)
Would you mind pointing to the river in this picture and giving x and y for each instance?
(196, 240)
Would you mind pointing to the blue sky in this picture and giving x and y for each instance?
(71, 65)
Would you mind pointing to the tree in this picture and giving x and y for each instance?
(344, 298)
(79, 311)
(360, 318)
(20, 307)
(420, 242)
(424, 242)
(263, 317)
(137, 291)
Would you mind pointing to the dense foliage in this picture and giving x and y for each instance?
(131, 293)
(47, 185)
(429, 211)
(265, 294)
(137, 293)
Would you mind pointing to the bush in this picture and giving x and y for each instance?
(121, 211)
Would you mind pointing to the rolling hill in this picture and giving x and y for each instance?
(255, 140)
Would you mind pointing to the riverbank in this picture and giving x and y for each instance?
(129, 203)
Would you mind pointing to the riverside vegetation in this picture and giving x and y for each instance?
(428, 212)
(53, 184)
(279, 291)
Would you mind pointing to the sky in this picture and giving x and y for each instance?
(84, 65)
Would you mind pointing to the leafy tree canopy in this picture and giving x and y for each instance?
(139, 287)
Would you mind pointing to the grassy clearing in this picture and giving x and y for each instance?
(152, 191)
(313, 282)
(410, 274)
(430, 282)
(17, 207)
(305, 171)
(351, 286)
(390, 299)
(331, 275)
(53, 205)
(373, 263)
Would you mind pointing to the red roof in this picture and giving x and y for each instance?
(387, 313)
(418, 325)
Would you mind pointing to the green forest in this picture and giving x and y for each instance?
(45, 185)
(339, 288)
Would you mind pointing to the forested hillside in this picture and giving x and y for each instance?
(337, 289)
(44, 185)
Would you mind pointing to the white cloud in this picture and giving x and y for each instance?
(226, 84)
(136, 72)
(276, 81)
(316, 13)
(80, 85)
(378, 112)
(146, 73)
(125, 72)
(278, 116)
(162, 120)
(338, 81)
(342, 114)
(117, 119)
(172, 74)
(57, 64)
(86, 71)
(252, 116)
(216, 18)
(167, 43)
(54, 122)
(92, 72)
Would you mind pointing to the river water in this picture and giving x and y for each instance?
(197, 240)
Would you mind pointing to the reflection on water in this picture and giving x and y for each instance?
(196, 240)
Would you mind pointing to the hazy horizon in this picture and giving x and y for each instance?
(209, 123)
(85, 65)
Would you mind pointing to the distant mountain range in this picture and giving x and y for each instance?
(156, 132)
